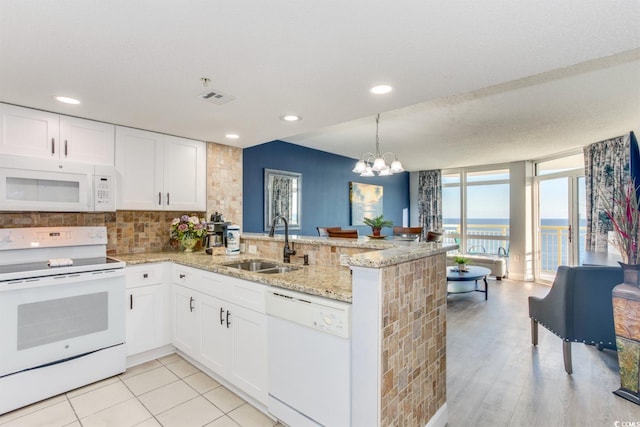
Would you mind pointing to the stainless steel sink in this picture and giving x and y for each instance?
(279, 269)
(252, 265)
(259, 266)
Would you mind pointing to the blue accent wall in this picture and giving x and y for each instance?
(325, 187)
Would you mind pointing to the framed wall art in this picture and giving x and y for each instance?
(365, 201)
(282, 196)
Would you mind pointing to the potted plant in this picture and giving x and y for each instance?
(462, 262)
(377, 224)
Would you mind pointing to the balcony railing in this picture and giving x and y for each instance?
(489, 238)
(481, 238)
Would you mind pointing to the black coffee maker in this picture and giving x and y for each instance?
(216, 233)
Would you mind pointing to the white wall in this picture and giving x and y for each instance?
(521, 220)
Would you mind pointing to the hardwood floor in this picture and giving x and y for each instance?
(495, 377)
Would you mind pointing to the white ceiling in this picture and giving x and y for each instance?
(475, 82)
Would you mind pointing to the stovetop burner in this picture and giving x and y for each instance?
(43, 265)
(25, 252)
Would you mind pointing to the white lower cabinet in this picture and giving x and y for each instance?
(212, 324)
(215, 352)
(248, 344)
(147, 320)
(186, 320)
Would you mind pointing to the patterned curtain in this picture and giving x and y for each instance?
(430, 200)
(606, 167)
(281, 201)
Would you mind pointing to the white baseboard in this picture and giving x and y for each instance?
(440, 418)
(156, 353)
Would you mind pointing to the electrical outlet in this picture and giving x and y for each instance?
(343, 259)
(253, 249)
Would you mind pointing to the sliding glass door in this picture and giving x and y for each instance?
(561, 217)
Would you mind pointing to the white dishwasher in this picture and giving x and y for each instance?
(309, 342)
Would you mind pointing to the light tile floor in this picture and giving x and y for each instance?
(164, 392)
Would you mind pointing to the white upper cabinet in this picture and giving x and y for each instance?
(35, 133)
(185, 164)
(159, 172)
(139, 158)
(87, 141)
(28, 132)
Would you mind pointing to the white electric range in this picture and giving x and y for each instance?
(62, 312)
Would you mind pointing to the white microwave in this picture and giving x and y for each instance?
(28, 184)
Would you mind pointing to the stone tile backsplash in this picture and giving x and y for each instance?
(128, 232)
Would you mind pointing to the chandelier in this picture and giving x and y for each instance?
(370, 163)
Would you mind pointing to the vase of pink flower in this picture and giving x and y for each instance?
(188, 230)
(624, 214)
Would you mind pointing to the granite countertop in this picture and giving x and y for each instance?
(312, 279)
(334, 283)
(384, 252)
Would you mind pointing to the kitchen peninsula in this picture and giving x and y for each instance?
(398, 294)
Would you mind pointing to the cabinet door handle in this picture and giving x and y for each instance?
(221, 316)
(182, 276)
(167, 199)
(159, 198)
(130, 301)
(191, 304)
(228, 323)
(65, 148)
(53, 146)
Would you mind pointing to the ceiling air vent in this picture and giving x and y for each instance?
(216, 97)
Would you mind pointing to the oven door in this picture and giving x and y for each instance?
(50, 319)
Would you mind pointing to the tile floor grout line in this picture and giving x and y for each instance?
(140, 401)
(66, 396)
(198, 394)
(118, 380)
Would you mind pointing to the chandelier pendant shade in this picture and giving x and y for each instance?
(375, 162)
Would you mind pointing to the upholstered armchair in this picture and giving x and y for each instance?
(578, 308)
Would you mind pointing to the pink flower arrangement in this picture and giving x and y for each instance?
(625, 218)
(188, 226)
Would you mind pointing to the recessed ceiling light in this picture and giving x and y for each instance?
(380, 89)
(67, 100)
(291, 118)
(232, 136)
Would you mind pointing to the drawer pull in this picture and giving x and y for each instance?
(145, 276)
(182, 276)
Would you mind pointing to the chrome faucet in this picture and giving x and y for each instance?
(286, 252)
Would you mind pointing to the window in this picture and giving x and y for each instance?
(476, 209)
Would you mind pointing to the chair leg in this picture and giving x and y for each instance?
(534, 332)
(566, 354)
